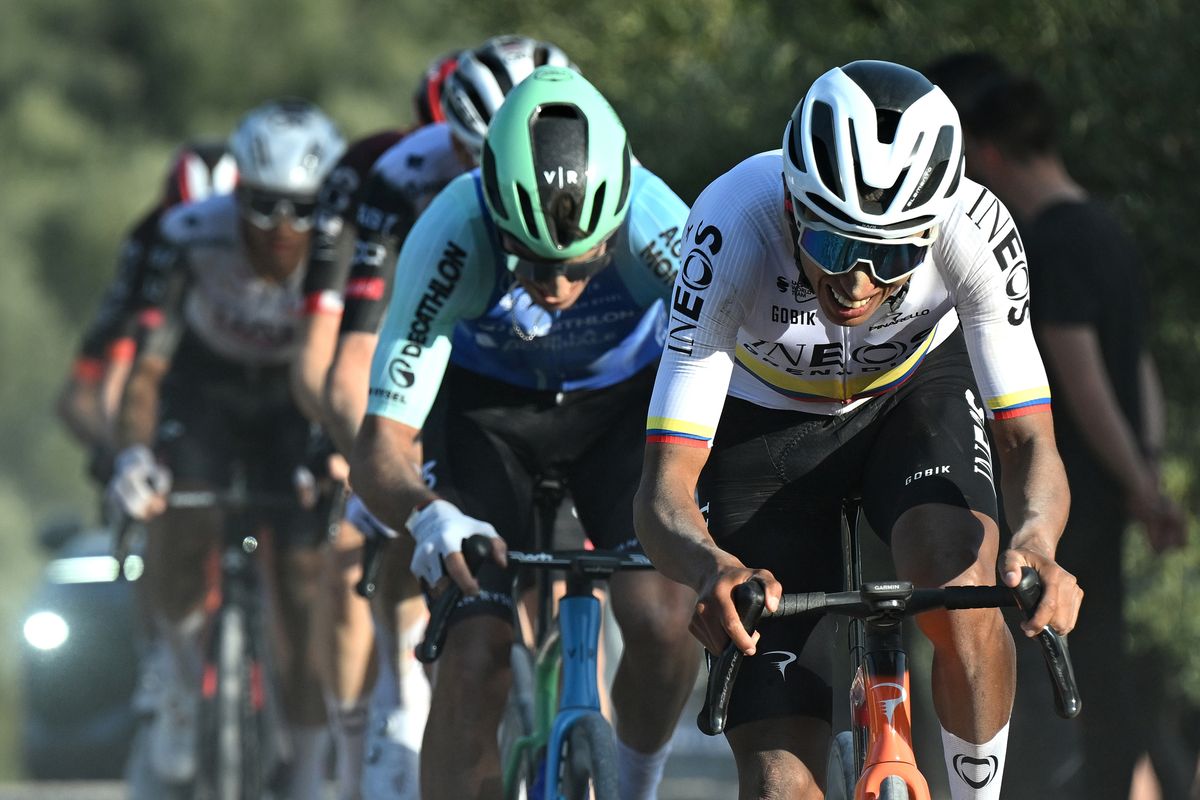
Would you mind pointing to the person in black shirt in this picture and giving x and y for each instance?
(1086, 293)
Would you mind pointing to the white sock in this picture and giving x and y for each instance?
(640, 773)
(414, 690)
(976, 770)
(348, 723)
(310, 749)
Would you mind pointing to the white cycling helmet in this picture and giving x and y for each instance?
(484, 76)
(286, 146)
(873, 151)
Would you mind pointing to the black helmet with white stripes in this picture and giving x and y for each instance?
(875, 151)
(484, 76)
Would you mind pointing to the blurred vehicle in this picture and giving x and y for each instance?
(78, 659)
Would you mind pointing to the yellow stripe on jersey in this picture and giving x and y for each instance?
(667, 425)
(839, 387)
(1019, 398)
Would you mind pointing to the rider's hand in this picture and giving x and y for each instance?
(715, 621)
(440, 529)
(139, 484)
(1061, 595)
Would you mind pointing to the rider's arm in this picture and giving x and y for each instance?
(448, 269)
(345, 393)
(653, 233)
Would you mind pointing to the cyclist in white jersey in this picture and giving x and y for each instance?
(208, 390)
(848, 311)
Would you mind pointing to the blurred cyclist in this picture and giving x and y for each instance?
(208, 390)
(92, 390)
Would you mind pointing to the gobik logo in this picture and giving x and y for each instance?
(976, 772)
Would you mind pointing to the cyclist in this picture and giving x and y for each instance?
(540, 278)
(92, 390)
(221, 302)
(827, 334)
(401, 184)
(344, 623)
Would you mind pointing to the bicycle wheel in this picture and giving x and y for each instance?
(588, 760)
(840, 774)
(229, 751)
(893, 788)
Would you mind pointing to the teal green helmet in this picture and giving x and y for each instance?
(556, 166)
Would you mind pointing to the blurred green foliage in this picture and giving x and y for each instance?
(94, 97)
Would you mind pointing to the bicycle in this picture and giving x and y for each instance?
(562, 746)
(874, 760)
(242, 749)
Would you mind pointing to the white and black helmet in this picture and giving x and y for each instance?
(286, 146)
(874, 150)
(485, 75)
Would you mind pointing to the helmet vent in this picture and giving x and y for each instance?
(560, 149)
(793, 145)
(490, 183)
(527, 213)
(597, 205)
(625, 168)
(823, 142)
(497, 67)
(477, 102)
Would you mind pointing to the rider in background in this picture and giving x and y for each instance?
(533, 299)
(402, 182)
(208, 390)
(841, 331)
(343, 620)
(92, 390)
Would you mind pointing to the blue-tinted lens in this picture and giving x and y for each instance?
(836, 254)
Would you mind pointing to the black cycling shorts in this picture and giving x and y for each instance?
(772, 491)
(487, 442)
(216, 414)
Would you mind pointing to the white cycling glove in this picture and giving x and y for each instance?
(137, 480)
(440, 529)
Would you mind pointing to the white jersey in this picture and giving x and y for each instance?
(420, 165)
(235, 313)
(745, 323)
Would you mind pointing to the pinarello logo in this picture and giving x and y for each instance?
(976, 772)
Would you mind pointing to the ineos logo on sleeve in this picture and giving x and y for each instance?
(401, 373)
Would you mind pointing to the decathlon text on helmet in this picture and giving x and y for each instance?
(556, 168)
(873, 151)
(485, 75)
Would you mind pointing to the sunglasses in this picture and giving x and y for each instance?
(541, 270)
(835, 253)
(266, 210)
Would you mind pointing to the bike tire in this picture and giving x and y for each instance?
(893, 788)
(588, 761)
(840, 773)
(229, 753)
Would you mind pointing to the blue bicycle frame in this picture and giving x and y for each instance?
(579, 630)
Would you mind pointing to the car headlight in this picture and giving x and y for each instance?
(46, 630)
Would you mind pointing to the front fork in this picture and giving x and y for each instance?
(880, 703)
(579, 629)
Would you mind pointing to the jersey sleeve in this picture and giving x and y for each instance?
(988, 273)
(448, 266)
(385, 216)
(720, 252)
(328, 260)
(654, 238)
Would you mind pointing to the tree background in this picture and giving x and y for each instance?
(95, 96)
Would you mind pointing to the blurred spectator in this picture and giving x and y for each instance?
(1088, 294)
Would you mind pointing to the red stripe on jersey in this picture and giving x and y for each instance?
(324, 302)
(365, 288)
(1021, 411)
(87, 370)
(660, 438)
(151, 318)
(122, 350)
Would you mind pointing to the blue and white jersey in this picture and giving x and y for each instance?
(455, 300)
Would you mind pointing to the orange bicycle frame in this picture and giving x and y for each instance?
(880, 703)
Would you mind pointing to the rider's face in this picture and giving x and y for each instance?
(277, 252)
(850, 298)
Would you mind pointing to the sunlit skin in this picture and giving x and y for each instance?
(857, 284)
(275, 253)
(560, 294)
